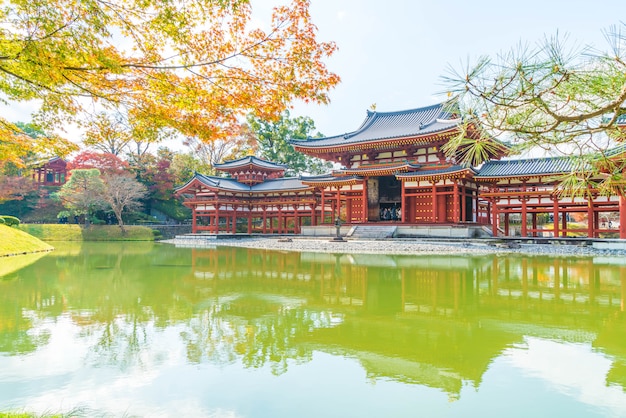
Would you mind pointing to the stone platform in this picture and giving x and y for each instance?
(387, 230)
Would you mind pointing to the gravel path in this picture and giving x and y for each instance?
(394, 246)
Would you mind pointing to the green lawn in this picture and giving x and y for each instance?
(14, 241)
(73, 232)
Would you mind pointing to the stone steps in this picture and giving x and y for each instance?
(372, 231)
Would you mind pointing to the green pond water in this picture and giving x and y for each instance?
(158, 331)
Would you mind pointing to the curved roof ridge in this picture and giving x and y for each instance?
(374, 116)
(316, 176)
(380, 126)
(249, 159)
(522, 160)
(406, 111)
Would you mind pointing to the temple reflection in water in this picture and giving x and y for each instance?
(437, 321)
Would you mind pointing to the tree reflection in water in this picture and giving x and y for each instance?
(438, 321)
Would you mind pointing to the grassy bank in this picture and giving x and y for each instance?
(71, 414)
(65, 232)
(14, 241)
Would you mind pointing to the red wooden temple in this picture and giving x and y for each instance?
(51, 172)
(256, 192)
(393, 171)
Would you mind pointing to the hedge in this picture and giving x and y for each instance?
(10, 220)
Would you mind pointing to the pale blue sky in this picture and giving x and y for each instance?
(393, 53)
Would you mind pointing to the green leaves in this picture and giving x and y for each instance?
(273, 139)
(552, 98)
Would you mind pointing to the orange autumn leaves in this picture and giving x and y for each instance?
(195, 67)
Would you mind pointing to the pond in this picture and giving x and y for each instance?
(153, 330)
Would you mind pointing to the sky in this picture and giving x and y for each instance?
(394, 53)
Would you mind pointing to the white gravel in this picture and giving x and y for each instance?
(394, 246)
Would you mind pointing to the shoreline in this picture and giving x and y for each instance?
(394, 246)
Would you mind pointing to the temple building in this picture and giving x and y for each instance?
(52, 172)
(256, 192)
(392, 171)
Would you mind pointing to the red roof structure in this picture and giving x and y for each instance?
(393, 171)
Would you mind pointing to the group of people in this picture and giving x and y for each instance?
(390, 214)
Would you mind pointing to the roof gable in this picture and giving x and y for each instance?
(379, 126)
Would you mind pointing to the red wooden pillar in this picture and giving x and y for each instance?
(591, 226)
(338, 206)
(348, 209)
(365, 214)
(494, 217)
(250, 219)
(455, 200)
(280, 219)
(434, 204)
(323, 206)
(403, 203)
(463, 197)
(264, 219)
(524, 220)
(555, 215)
(534, 216)
(217, 219)
(564, 224)
(622, 217)
(194, 226)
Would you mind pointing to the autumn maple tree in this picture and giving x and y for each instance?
(194, 67)
(105, 162)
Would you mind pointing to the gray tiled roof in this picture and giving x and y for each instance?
(620, 149)
(228, 184)
(329, 178)
(251, 159)
(223, 183)
(41, 163)
(388, 125)
(436, 171)
(531, 166)
(285, 184)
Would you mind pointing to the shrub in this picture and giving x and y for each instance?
(1, 220)
(96, 221)
(10, 220)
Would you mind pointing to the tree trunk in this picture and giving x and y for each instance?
(120, 221)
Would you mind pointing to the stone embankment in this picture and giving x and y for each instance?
(397, 246)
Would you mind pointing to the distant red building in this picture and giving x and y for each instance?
(50, 173)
